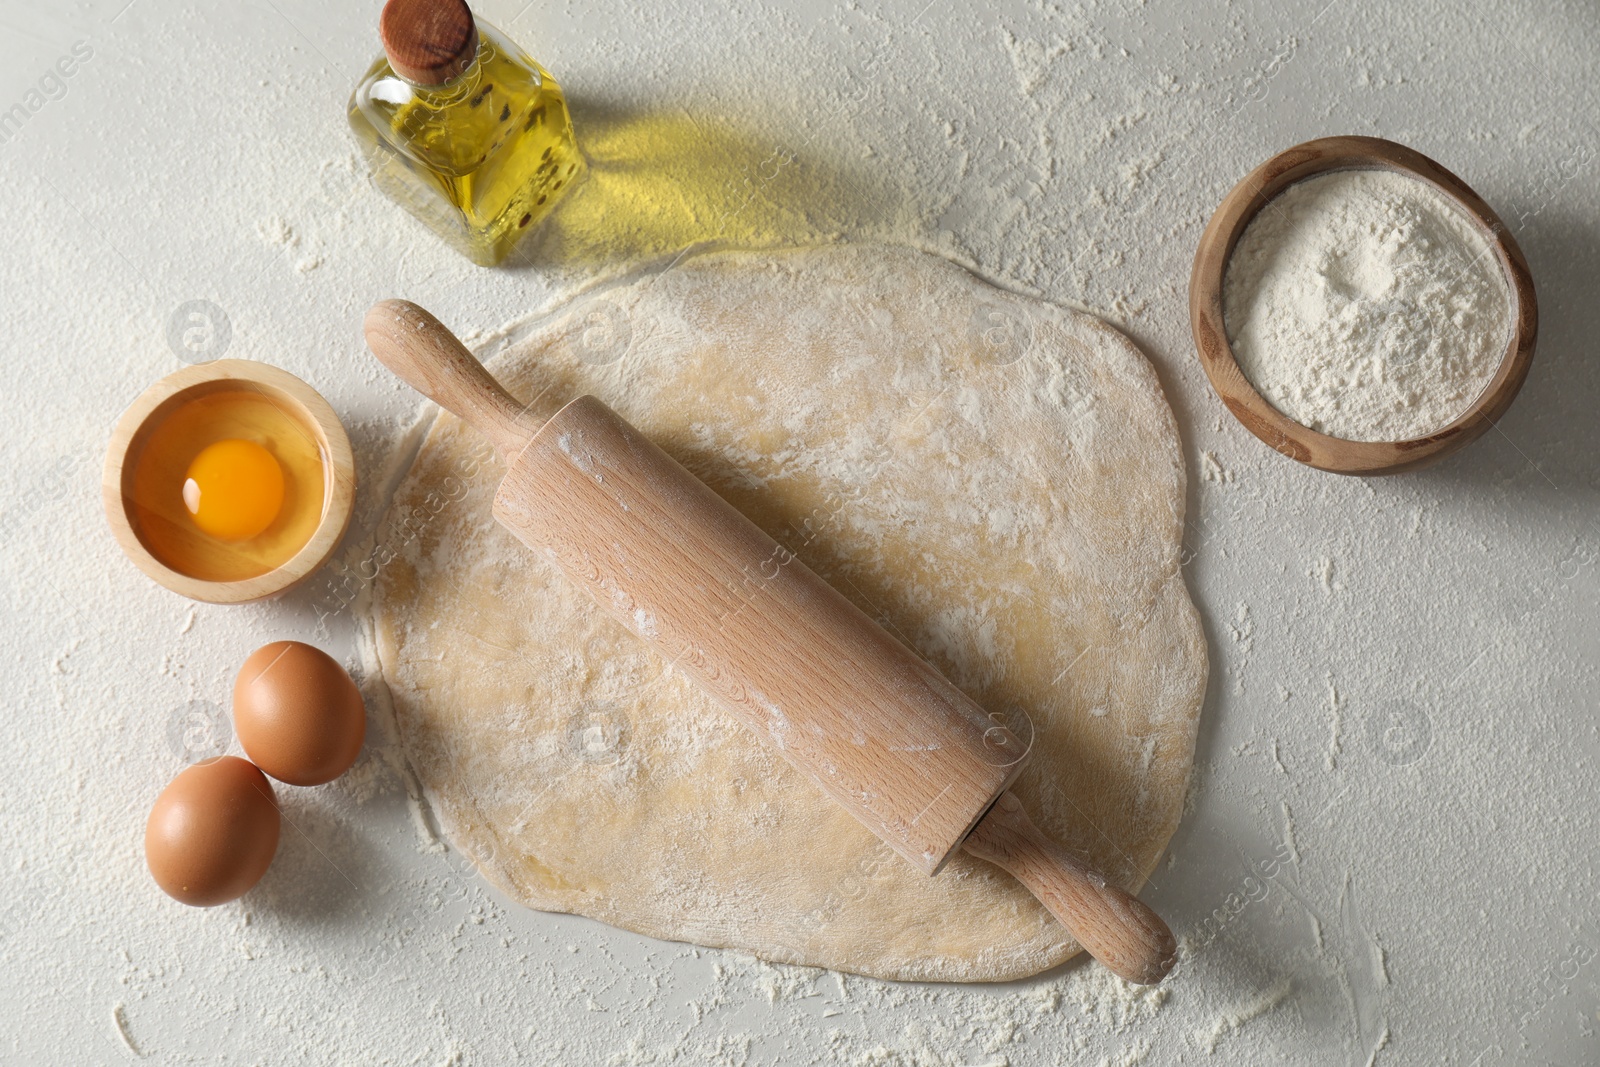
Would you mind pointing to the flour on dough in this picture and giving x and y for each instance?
(996, 480)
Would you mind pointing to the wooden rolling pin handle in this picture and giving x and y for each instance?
(1114, 926)
(429, 358)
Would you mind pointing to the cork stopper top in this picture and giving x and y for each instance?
(428, 42)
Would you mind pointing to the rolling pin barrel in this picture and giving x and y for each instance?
(878, 729)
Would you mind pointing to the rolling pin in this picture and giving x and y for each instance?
(876, 727)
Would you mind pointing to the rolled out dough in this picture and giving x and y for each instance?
(996, 480)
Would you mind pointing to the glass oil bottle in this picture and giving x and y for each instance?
(462, 128)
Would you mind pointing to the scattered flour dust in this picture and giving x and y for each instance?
(1232, 1021)
(1366, 305)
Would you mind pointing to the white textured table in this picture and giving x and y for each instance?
(1391, 851)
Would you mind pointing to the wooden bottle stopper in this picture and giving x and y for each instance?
(428, 42)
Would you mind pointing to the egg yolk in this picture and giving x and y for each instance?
(234, 489)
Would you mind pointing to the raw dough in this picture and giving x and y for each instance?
(996, 479)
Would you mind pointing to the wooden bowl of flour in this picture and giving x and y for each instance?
(1255, 411)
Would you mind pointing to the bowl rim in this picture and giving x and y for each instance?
(1282, 433)
(309, 408)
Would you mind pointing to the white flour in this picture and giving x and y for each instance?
(1365, 305)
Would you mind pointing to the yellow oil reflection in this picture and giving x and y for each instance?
(663, 181)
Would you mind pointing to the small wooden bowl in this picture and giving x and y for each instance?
(293, 396)
(1273, 426)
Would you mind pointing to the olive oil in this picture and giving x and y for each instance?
(482, 155)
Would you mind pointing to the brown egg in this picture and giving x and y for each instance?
(298, 714)
(212, 832)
